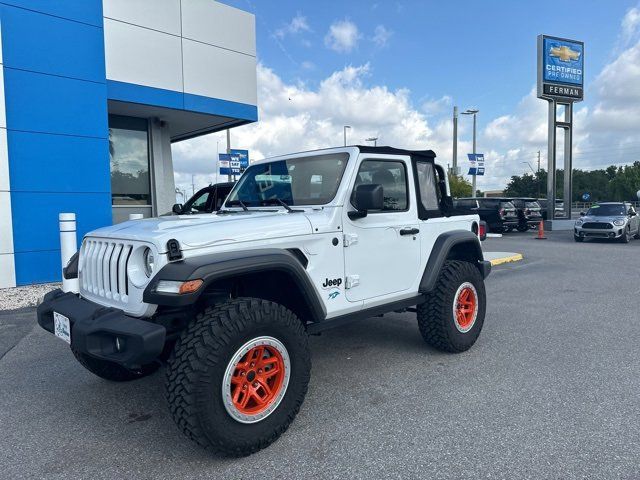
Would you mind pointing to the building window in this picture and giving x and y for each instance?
(129, 156)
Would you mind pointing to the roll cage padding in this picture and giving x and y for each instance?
(456, 244)
(227, 265)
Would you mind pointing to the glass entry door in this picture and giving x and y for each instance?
(130, 167)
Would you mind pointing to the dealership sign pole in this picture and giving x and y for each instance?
(561, 83)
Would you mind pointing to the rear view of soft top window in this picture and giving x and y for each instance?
(507, 205)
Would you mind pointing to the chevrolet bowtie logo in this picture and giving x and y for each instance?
(564, 53)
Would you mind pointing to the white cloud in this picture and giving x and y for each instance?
(434, 106)
(630, 25)
(295, 117)
(343, 36)
(381, 36)
(298, 24)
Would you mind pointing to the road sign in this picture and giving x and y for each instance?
(228, 165)
(586, 197)
(242, 156)
(476, 161)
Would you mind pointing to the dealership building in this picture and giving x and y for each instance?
(93, 94)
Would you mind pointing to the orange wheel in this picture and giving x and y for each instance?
(465, 307)
(256, 379)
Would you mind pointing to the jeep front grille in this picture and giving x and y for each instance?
(597, 226)
(103, 270)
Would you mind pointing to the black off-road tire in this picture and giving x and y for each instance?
(112, 371)
(578, 238)
(196, 369)
(435, 315)
(523, 227)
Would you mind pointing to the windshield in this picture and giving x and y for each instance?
(297, 181)
(197, 203)
(606, 210)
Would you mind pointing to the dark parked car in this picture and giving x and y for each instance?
(206, 200)
(499, 213)
(529, 213)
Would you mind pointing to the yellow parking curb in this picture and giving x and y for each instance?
(511, 258)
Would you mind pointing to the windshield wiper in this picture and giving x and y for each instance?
(238, 202)
(281, 203)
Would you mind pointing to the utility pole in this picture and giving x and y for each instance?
(344, 131)
(454, 162)
(538, 179)
(229, 152)
(193, 186)
(473, 112)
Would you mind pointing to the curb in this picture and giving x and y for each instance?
(511, 258)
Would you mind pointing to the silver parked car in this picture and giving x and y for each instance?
(612, 220)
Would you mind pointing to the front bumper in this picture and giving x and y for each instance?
(103, 332)
(613, 233)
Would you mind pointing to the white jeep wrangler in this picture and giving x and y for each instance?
(304, 242)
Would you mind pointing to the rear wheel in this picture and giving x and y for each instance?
(452, 316)
(238, 375)
(523, 227)
(112, 371)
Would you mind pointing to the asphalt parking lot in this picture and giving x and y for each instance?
(549, 391)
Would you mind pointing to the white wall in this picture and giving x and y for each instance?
(200, 47)
(7, 264)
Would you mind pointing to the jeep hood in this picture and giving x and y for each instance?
(197, 231)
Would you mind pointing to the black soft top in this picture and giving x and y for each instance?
(428, 155)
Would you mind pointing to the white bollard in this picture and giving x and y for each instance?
(136, 216)
(68, 246)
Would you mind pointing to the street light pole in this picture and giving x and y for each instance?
(372, 139)
(229, 152)
(344, 131)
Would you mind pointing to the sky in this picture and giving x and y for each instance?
(395, 69)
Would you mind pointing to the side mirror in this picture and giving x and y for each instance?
(367, 197)
(177, 208)
(583, 214)
(632, 213)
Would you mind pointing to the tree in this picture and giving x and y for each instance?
(459, 186)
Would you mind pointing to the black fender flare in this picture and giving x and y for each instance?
(460, 241)
(226, 265)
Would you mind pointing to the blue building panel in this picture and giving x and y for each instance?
(44, 103)
(38, 267)
(129, 92)
(43, 162)
(42, 43)
(86, 11)
(224, 108)
(35, 217)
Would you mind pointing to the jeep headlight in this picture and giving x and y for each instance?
(578, 222)
(149, 260)
(618, 222)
